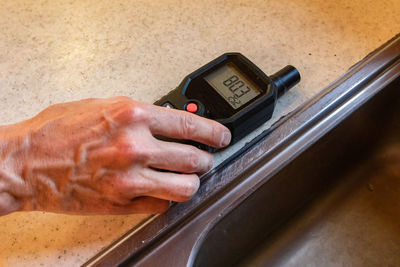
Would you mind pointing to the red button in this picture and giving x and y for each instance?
(191, 107)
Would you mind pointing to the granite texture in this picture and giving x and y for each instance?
(57, 51)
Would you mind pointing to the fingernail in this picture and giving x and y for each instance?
(226, 139)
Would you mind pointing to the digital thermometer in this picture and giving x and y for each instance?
(233, 91)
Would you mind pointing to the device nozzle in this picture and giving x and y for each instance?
(285, 79)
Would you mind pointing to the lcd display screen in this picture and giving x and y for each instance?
(232, 85)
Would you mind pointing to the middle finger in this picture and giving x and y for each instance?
(180, 158)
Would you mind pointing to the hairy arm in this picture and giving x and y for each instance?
(100, 156)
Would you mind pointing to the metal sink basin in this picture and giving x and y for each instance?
(351, 178)
(320, 188)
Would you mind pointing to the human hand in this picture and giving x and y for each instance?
(100, 156)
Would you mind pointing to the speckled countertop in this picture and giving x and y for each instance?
(56, 51)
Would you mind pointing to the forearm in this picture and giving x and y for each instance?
(13, 188)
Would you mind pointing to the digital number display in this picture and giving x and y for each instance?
(234, 87)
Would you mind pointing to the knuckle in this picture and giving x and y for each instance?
(132, 111)
(192, 161)
(138, 112)
(210, 162)
(216, 135)
(189, 188)
(134, 150)
(127, 188)
(188, 125)
(139, 186)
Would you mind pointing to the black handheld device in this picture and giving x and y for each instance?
(233, 91)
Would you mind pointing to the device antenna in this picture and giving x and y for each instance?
(285, 79)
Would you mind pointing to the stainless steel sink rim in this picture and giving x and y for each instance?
(314, 133)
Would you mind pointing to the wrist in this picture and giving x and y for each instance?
(14, 190)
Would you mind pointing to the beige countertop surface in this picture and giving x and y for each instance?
(57, 51)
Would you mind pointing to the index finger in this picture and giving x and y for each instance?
(180, 124)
